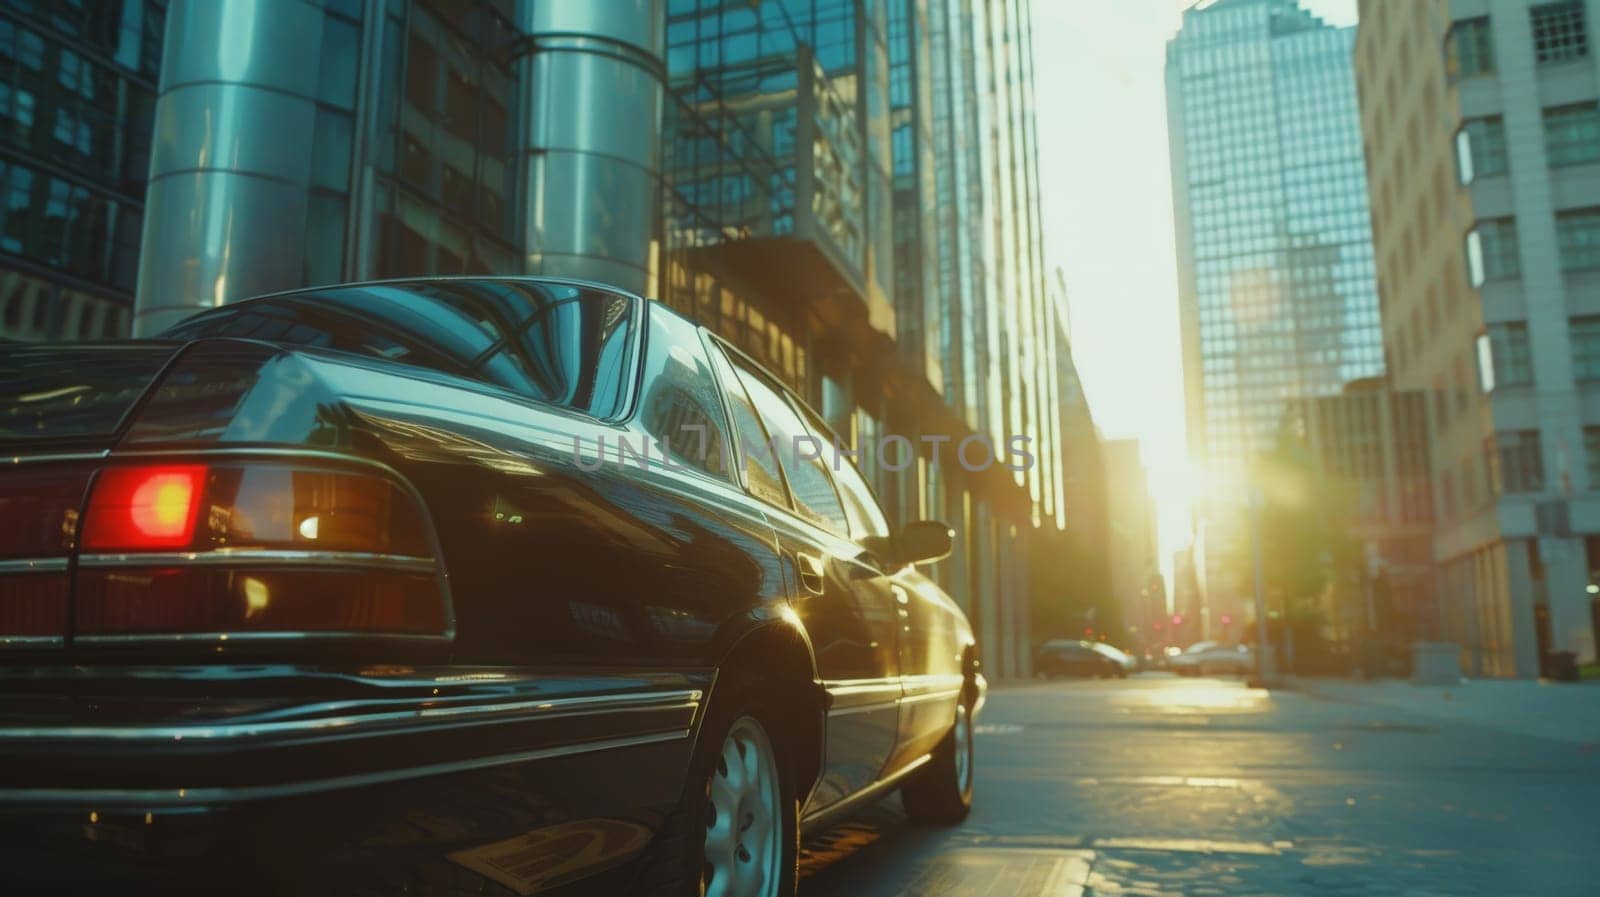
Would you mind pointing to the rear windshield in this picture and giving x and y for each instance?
(560, 344)
(67, 392)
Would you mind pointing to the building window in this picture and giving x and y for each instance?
(1492, 251)
(1558, 31)
(1481, 148)
(1467, 50)
(1591, 455)
(1503, 357)
(1585, 333)
(1447, 494)
(1572, 134)
(1579, 235)
(1513, 462)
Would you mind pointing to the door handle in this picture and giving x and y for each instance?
(810, 569)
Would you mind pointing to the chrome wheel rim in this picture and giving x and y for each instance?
(963, 751)
(744, 830)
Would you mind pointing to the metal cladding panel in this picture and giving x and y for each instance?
(598, 104)
(260, 42)
(589, 205)
(591, 158)
(639, 23)
(225, 214)
(214, 236)
(233, 127)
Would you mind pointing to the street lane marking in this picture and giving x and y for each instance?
(1163, 781)
(1193, 845)
(997, 729)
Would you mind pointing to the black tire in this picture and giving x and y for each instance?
(676, 865)
(935, 795)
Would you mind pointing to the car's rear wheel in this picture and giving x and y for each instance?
(941, 792)
(745, 821)
(736, 832)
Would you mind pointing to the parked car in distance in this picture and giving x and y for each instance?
(352, 589)
(1213, 659)
(1076, 657)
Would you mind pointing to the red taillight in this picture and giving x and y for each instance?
(277, 548)
(144, 508)
(39, 509)
(38, 528)
(33, 605)
(190, 600)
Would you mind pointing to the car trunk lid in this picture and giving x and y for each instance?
(55, 397)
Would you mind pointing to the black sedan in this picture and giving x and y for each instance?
(457, 585)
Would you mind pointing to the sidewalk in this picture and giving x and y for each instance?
(1563, 711)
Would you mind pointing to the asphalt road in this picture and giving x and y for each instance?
(1163, 786)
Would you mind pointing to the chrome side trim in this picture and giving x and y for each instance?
(850, 709)
(33, 565)
(934, 682)
(31, 641)
(191, 797)
(931, 696)
(849, 696)
(263, 557)
(421, 716)
(222, 638)
(57, 456)
(844, 807)
(840, 688)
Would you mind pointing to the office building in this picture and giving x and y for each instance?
(846, 190)
(1483, 148)
(1181, 629)
(1134, 556)
(1277, 297)
(1071, 570)
(77, 99)
(1367, 453)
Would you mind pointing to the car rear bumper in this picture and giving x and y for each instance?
(366, 779)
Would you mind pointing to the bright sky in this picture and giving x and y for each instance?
(1107, 195)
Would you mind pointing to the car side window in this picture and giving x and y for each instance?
(679, 404)
(761, 471)
(860, 508)
(809, 483)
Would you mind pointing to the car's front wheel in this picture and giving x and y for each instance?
(941, 792)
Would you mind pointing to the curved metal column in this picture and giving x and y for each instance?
(225, 215)
(591, 153)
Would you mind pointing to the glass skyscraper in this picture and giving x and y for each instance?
(1277, 293)
(1277, 287)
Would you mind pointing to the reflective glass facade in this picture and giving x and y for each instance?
(77, 94)
(443, 143)
(1277, 283)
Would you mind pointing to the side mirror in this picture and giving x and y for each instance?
(924, 541)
